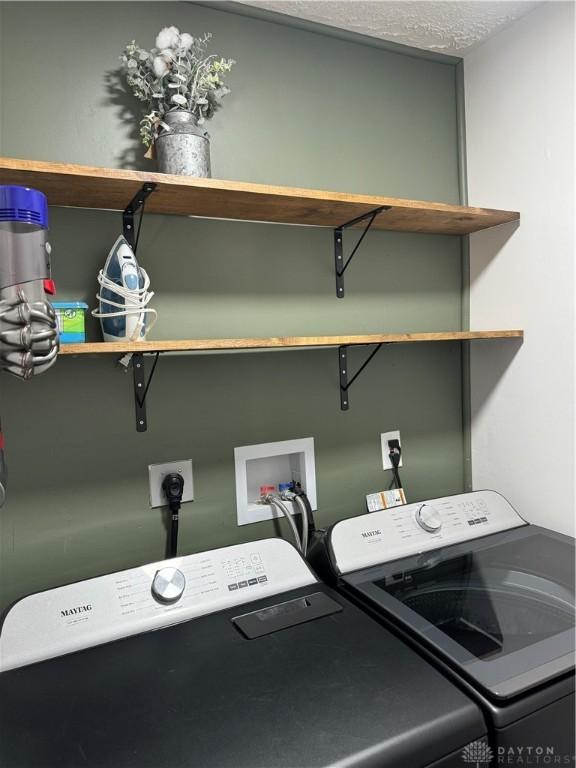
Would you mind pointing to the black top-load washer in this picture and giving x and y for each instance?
(487, 597)
(253, 664)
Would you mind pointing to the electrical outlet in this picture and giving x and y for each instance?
(384, 437)
(157, 473)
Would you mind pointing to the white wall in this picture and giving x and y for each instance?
(520, 144)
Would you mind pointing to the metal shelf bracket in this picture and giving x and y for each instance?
(345, 381)
(340, 266)
(141, 387)
(137, 203)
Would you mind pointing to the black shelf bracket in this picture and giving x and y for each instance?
(345, 381)
(141, 387)
(340, 266)
(137, 203)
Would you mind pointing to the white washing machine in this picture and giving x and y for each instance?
(485, 596)
(233, 658)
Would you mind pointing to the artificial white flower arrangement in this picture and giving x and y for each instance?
(175, 74)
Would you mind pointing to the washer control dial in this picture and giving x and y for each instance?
(168, 585)
(429, 518)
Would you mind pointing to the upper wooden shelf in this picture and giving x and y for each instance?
(279, 342)
(80, 186)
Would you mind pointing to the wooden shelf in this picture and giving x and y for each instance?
(279, 342)
(81, 186)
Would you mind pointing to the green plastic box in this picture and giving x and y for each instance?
(70, 316)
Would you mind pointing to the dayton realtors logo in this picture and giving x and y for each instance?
(478, 754)
(530, 755)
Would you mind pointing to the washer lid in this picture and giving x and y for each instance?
(500, 608)
(339, 690)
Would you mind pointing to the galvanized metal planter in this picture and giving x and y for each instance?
(184, 149)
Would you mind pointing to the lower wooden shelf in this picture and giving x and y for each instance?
(279, 342)
(138, 349)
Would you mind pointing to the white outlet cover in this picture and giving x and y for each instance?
(157, 473)
(384, 437)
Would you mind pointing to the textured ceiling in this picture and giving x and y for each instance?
(447, 27)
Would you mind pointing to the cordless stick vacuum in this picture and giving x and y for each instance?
(28, 325)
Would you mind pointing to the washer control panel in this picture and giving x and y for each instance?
(390, 534)
(117, 605)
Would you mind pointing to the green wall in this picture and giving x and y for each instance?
(307, 110)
